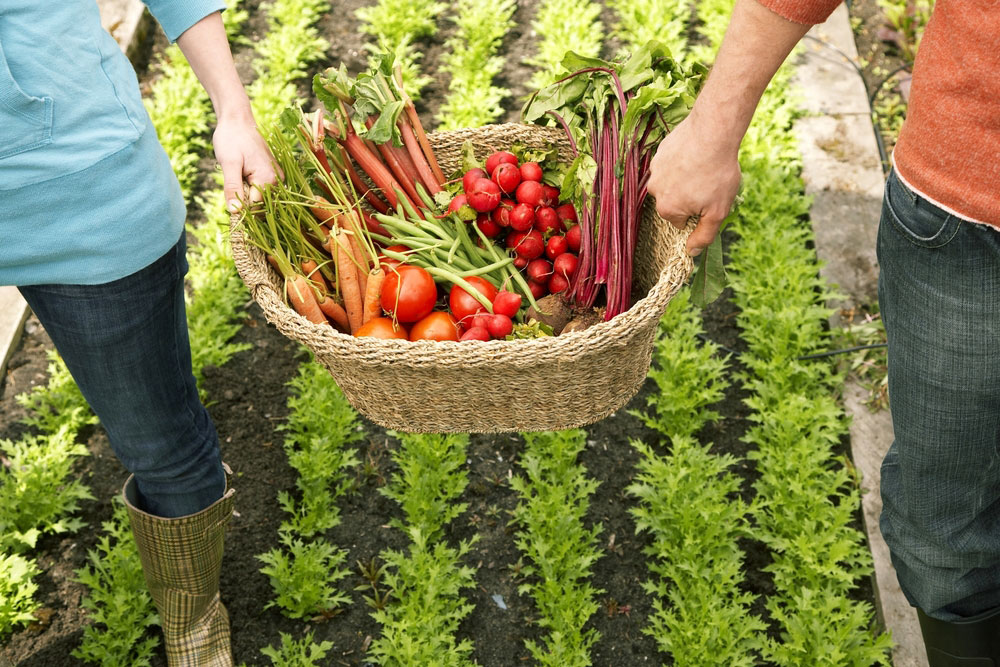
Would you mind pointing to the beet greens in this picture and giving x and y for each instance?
(615, 113)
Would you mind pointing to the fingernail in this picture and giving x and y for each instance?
(233, 206)
(694, 252)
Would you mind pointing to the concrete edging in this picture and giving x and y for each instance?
(843, 173)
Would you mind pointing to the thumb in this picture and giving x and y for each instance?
(703, 235)
(232, 184)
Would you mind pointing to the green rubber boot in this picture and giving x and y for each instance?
(970, 642)
(181, 560)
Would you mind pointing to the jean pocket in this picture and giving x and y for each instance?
(920, 222)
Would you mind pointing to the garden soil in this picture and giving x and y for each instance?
(248, 401)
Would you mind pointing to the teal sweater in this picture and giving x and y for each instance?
(87, 194)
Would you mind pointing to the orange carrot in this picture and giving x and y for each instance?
(360, 261)
(349, 287)
(311, 270)
(373, 293)
(303, 299)
(335, 312)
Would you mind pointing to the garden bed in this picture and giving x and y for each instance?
(248, 398)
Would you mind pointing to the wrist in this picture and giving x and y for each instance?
(719, 132)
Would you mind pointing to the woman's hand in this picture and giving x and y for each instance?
(245, 160)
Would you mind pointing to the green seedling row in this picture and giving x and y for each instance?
(425, 603)
(554, 495)
(689, 505)
(304, 571)
(472, 62)
(564, 25)
(643, 21)
(395, 26)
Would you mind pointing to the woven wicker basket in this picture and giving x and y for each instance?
(525, 385)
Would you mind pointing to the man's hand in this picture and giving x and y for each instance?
(691, 175)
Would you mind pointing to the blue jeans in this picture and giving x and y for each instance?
(126, 345)
(939, 292)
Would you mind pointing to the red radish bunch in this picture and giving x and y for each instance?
(515, 205)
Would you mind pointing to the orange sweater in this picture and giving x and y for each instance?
(949, 148)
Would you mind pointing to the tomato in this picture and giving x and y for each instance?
(381, 327)
(409, 293)
(439, 325)
(388, 262)
(463, 305)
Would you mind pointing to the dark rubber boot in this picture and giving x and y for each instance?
(970, 642)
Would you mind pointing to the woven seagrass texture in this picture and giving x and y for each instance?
(497, 386)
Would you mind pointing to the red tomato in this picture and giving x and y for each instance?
(439, 325)
(388, 262)
(408, 292)
(463, 305)
(381, 327)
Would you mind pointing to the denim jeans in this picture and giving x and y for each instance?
(939, 292)
(126, 345)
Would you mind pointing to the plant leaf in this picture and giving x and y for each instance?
(710, 276)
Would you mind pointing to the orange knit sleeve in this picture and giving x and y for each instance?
(808, 12)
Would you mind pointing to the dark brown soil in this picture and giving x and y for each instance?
(248, 402)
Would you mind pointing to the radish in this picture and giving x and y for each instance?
(507, 176)
(506, 303)
(565, 265)
(476, 333)
(566, 212)
(530, 193)
(537, 290)
(521, 218)
(547, 221)
(573, 238)
(520, 262)
(531, 245)
(458, 202)
(484, 195)
(480, 319)
(557, 283)
(471, 177)
(499, 158)
(550, 195)
(499, 326)
(539, 270)
(487, 225)
(531, 171)
(501, 214)
(555, 246)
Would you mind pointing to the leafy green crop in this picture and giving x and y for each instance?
(303, 575)
(554, 497)
(564, 25)
(17, 590)
(302, 653)
(119, 603)
(395, 26)
(473, 63)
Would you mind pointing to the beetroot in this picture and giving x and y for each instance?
(484, 195)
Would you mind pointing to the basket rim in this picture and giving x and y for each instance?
(609, 332)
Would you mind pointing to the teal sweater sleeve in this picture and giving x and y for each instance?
(176, 16)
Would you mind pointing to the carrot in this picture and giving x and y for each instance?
(311, 270)
(303, 299)
(335, 312)
(349, 287)
(418, 159)
(348, 224)
(373, 293)
(273, 261)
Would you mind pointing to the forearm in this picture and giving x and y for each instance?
(756, 43)
(206, 47)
